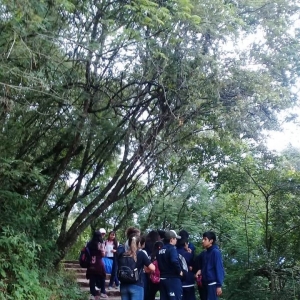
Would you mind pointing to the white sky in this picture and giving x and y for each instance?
(290, 134)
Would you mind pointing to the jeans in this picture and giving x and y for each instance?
(113, 275)
(99, 281)
(131, 292)
(170, 289)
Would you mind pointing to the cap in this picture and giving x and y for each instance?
(102, 230)
(172, 235)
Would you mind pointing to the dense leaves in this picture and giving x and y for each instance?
(112, 109)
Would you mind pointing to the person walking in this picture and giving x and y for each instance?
(170, 270)
(212, 270)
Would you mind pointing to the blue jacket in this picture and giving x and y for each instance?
(168, 262)
(190, 278)
(212, 269)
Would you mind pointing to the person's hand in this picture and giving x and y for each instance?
(219, 291)
(181, 273)
(198, 273)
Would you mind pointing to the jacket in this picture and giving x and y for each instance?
(212, 269)
(189, 278)
(168, 262)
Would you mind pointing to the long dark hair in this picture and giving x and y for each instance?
(115, 241)
(151, 238)
(96, 239)
(156, 247)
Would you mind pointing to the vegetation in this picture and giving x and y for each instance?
(149, 113)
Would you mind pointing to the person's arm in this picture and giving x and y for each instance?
(197, 267)
(146, 262)
(219, 269)
(173, 254)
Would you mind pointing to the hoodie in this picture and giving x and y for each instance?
(212, 269)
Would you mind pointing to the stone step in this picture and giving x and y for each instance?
(74, 267)
(84, 283)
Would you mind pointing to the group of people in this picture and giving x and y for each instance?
(166, 253)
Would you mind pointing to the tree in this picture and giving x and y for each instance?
(96, 96)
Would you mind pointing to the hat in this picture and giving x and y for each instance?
(102, 230)
(172, 235)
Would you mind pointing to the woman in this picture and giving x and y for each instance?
(96, 271)
(154, 287)
(135, 291)
(111, 246)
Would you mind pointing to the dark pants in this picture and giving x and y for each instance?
(170, 289)
(153, 288)
(212, 292)
(99, 281)
(188, 293)
(145, 280)
(202, 292)
(113, 275)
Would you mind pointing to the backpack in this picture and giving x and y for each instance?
(155, 276)
(127, 269)
(184, 267)
(85, 257)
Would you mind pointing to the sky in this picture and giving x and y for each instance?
(290, 134)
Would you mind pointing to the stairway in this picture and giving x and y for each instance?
(74, 267)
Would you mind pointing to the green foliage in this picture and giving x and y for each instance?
(20, 274)
(115, 114)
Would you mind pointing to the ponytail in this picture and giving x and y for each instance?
(133, 243)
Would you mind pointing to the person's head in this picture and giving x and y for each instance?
(171, 237)
(156, 247)
(181, 243)
(97, 237)
(111, 235)
(161, 234)
(143, 241)
(151, 238)
(132, 230)
(134, 243)
(103, 232)
(209, 239)
(184, 234)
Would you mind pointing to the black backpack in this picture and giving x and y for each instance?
(85, 257)
(127, 269)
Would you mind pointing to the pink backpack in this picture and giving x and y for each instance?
(155, 276)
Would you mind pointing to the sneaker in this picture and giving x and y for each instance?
(103, 296)
(110, 288)
(117, 287)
